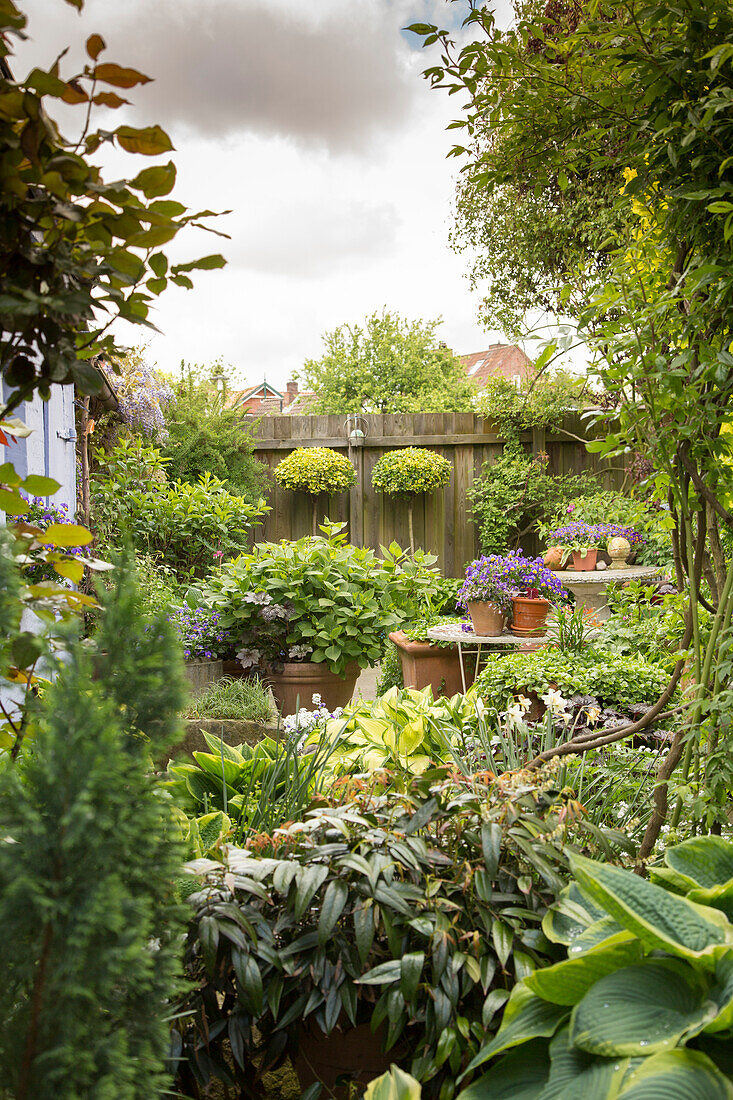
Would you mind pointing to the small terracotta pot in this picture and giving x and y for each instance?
(299, 681)
(585, 563)
(529, 616)
(426, 665)
(487, 619)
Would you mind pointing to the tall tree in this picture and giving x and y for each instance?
(389, 365)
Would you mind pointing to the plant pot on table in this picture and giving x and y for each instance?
(530, 616)
(296, 682)
(487, 618)
(353, 1054)
(427, 665)
(585, 563)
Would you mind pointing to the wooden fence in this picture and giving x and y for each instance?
(442, 521)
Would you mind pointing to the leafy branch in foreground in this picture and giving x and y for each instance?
(77, 251)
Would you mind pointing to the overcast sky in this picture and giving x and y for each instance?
(310, 120)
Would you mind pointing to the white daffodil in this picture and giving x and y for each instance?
(554, 701)
(593, 713)
(480, 707)
(524, 702)
(515, 714)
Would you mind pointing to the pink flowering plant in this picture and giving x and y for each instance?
(500, 577)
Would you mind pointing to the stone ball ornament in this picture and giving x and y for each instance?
(619, 549)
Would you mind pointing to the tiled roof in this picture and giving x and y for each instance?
(498, 361)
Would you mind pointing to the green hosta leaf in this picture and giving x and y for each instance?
(570, 916)
(217, 767)
(567, 982)
(677, 1075)
(575, 1075)
(309, 879)
(394, 1085)
(520, 1075)
(218, 747)
(642, 1009)
(526, 1016)
(706, 861)
(599, 934)
(658, 918)
(722, 995)
(332, 907)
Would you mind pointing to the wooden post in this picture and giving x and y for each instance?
(84, 455)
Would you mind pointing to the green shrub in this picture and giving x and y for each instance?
(607, 677)
(315, 470)
(540, 403)
(318, 599)
(515, 493)
(205, 437)
(390, 670)
(642, 1006)
(417, 911)
(411, 470)
(157, 583)
(247, 700)
(187, 527)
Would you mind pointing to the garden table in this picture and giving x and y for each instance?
(454, 632)
(589, 588)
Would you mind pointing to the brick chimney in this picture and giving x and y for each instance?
(292, 391)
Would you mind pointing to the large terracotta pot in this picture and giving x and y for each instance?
(529, 616)
(354, 1053)
(201, 674)
(299, 681)
(487, 619)
(585, 563)
(427, 665)
(554, 558)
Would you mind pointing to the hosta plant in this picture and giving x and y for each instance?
(415, 911)
(642, 1006)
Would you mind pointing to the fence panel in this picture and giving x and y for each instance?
(442, 521)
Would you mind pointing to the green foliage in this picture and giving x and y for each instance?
(247, 700)
(315, 470)
(642, 621)
(157, 583)
(609, 678)
(206, 437)
(416, 910)
(390, 670)
(642, 1006)
(570, 630)
(77, 250)
(411, 470)
(515, 492)
(319, 599)
(188, 527)
(255, 789)
(391, 365)
(91, 952)
(541, 403)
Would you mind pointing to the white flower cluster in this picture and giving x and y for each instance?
(305, 721)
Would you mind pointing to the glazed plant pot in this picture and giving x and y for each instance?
(427, 665)
(530, 616)
(297, 683)
(200, 674)
(487, 619)
(585, 563)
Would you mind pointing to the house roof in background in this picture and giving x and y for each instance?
(497, 361)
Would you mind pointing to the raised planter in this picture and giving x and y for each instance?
(529, 616)
(232, 731)
(297, 683)
(427, 665)
(354, 1054)
(201, 674)
(486, 618)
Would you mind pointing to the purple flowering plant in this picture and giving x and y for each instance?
(199, 632)
(42, 514)
(499, 577)
(578, 533)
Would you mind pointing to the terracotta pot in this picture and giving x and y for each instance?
(487, 619)
(201, 674)
(299, 681)
(427, 665)
(585, 563)
(234, 670)
(354, 1054)
(529, 616)
(554, 557)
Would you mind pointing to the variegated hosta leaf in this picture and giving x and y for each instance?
(676, 1075)
(526, 1016)
(705, 861)
(567, 982)
(519, 1075)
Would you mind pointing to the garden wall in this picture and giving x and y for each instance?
(442, 521)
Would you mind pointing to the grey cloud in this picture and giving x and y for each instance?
(312, 239)
(322, 74)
